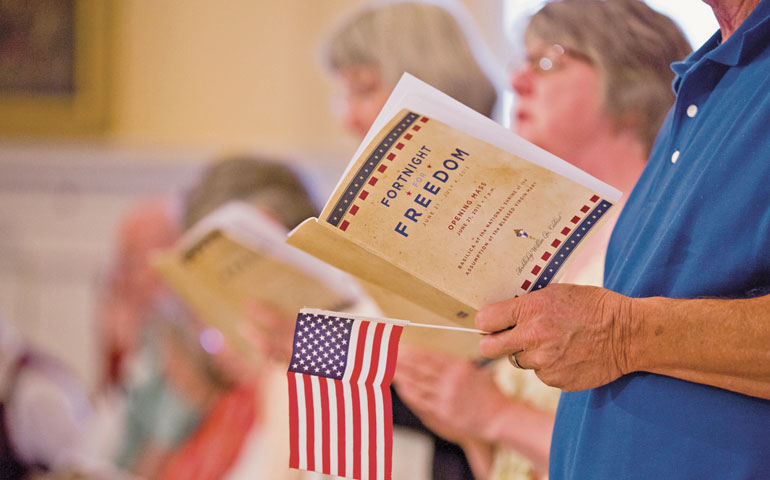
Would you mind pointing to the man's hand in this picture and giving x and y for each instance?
(573, 337)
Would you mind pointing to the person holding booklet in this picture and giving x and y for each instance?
(183, 393)
(599, 109)
(138, 342)
(665, 372)
(234, 425)
(366, 55)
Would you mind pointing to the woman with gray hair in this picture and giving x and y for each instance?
(594, 89)
(629, 46)
(373, 47)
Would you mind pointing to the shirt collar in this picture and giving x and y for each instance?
(750, 37)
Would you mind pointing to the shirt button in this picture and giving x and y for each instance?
(692, 110)
(675, 156)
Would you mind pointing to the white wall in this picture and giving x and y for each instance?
(59, 207)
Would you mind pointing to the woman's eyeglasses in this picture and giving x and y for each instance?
(550, 59)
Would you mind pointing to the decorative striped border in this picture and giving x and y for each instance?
(366, 174)
(565, 246)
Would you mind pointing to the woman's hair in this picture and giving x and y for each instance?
(423, 39)
(268, 184)
(632, 47)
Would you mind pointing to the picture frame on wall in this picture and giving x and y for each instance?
(53, 67)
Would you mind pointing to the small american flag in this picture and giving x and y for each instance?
(340, 413)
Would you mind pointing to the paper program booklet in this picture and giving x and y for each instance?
(236, 256)
(452, 211)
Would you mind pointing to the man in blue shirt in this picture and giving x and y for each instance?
(669, 367)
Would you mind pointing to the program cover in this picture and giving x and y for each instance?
(450, 210)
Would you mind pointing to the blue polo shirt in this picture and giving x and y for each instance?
(696, 225)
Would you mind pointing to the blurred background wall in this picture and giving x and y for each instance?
(155, 90)
(240, 73)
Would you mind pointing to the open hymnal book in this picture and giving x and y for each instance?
(450, 210)
(236, 256)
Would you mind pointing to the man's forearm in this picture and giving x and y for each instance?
(723, 343)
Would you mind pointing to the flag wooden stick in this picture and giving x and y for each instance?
(447, 327)
(317, 311)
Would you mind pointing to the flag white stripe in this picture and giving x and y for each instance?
(333, 433)
(318, 440)
(301, 421)
(364, 439)
(348, 397)
(380, 434)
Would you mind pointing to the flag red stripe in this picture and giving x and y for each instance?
(340, 428)
(387, 401)
(395, 336)
(356, 400)
(310, 423)
(293, 422)
(373, 420)
(325, 447)
(359, 360)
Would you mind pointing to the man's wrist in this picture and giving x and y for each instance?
(627, 324)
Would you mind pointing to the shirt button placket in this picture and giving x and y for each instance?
(691, 111)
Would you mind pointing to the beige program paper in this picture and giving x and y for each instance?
(237, 256)
(451, 221)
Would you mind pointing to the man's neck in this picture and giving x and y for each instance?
(730, 14)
